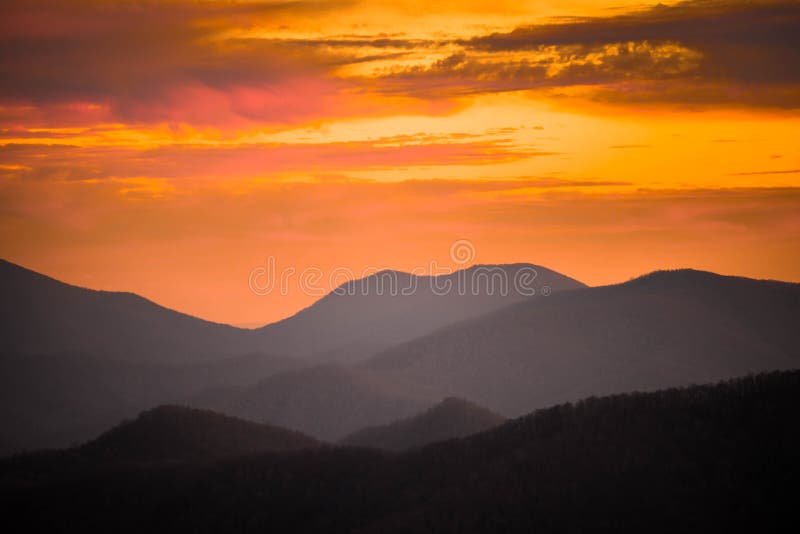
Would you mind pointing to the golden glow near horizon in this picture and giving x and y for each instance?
(169, 148)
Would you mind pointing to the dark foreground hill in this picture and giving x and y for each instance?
(180, 433)
(703, 459)
(451, 418)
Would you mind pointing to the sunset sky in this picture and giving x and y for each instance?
(169, 148)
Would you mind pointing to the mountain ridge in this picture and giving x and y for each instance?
(359, 318)
(40, 314)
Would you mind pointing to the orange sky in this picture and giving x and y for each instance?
(169, 148)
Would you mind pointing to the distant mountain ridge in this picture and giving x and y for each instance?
(451, 418)
(40, 315)
(365, 316)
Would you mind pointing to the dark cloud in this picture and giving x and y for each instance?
(699, 21)
(468, 72)
(698, 53)
(363, 41)
(130, 54)
(737, 41)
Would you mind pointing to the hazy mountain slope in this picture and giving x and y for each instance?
(451, 418)
(41, 315)
(722, 458)
(662, 330)
(56, 400)
(326, 402)
(371, 314)
(180, 433)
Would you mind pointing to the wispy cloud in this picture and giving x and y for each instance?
(756, 173)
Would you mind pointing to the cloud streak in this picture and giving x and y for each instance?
(69, 162)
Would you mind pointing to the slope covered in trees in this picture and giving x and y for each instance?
(699, 459)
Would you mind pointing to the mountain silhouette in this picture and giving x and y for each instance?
(40, 315)
(181, 433)
(451, 418)
(700, 459)
(363, 317)
(665, 329)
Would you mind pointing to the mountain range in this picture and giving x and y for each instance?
(40, 315)
(75, 362)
